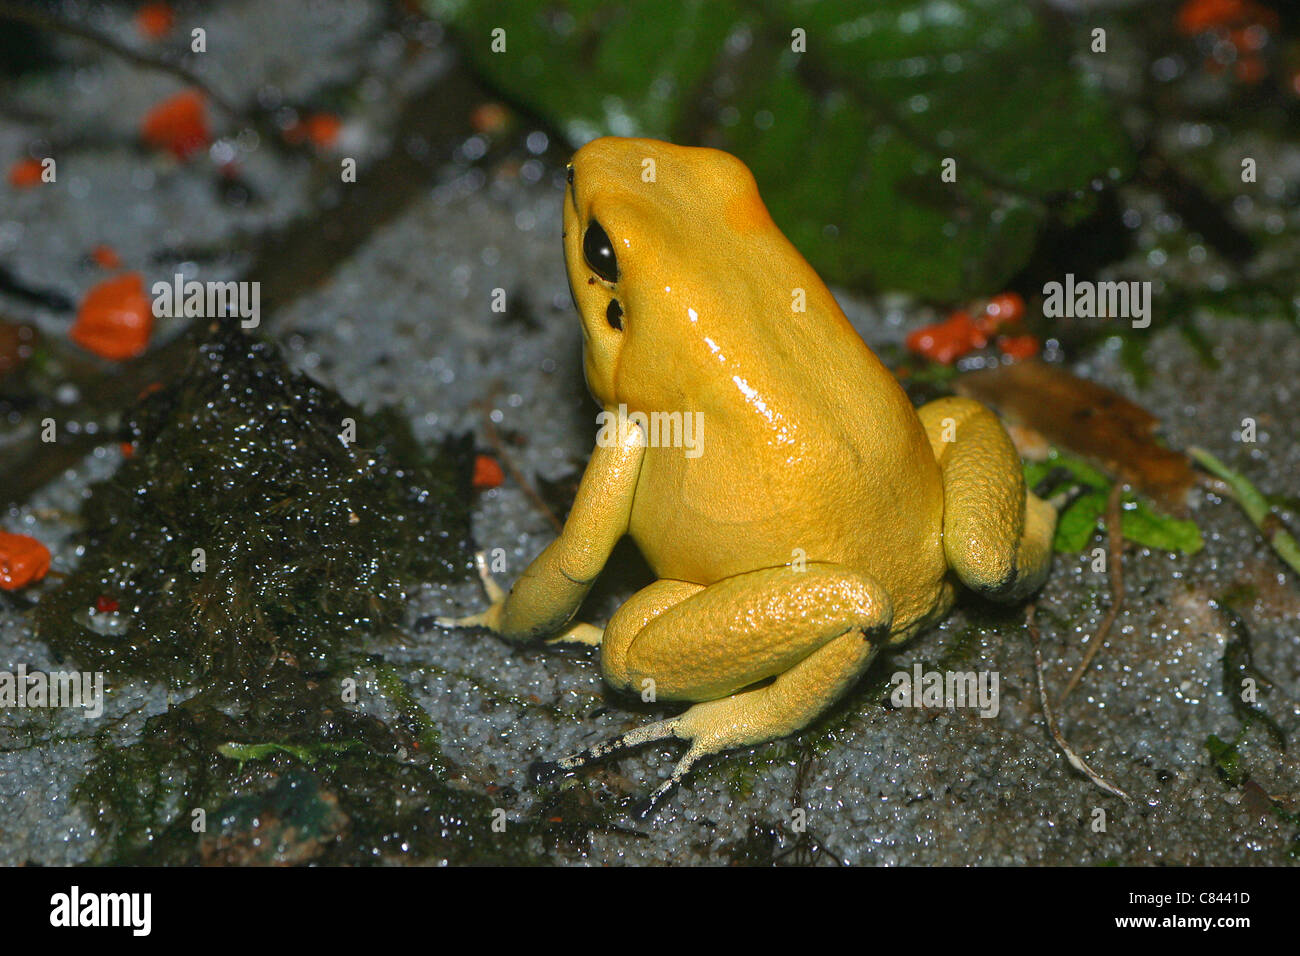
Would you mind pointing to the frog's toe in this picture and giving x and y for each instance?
(482, 619)
(495, 593)
(545, 770)
(646, 806)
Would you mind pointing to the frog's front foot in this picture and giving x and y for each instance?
(491, 618)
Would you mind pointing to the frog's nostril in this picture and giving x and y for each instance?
(568, 173)
(614, 315)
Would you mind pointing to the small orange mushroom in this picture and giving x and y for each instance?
(947, 341)
(487, 473)
(115, 318)
(23, 560)
(1018, 347)
(178, 124)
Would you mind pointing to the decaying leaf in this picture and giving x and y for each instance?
(1089, 420)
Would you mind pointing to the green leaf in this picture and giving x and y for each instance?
(1139, 522)
(846, 139)
(1076, 527)
(1151, 529)
(1226, 758)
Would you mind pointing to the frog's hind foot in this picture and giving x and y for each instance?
(542, 771)
(997, 535)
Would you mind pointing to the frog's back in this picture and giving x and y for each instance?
(809, 449)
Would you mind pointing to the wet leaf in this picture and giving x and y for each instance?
(1078, 524)
(881, 95)
(1139, 523)
(1090, 421)
(1143, 526)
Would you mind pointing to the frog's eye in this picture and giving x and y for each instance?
(599, 252)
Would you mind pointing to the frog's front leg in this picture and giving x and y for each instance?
(549, 592)
(811, 633)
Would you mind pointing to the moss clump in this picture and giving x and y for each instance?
(245, 528)
(309, 544)
(290, 775)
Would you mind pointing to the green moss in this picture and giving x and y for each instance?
(1226, 759)
(244, 529)
(287, 775)
(310, 545)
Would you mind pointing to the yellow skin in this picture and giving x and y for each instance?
(824, 517)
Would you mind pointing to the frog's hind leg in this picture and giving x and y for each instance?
(997, 535)
(767, 651)
(787, 704)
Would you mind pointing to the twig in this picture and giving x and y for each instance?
(54, 24)
(1115, 559)
(494, 439)
(1076, 761)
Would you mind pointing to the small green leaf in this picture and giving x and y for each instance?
(1255, 505)
(1075, 528)
(1139, 522)
(1227, 761)
(308, 754)
(1143, 526)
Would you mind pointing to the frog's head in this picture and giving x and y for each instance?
(662, 243)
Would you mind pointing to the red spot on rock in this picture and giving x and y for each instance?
(106, 257)
(154, 21)
(26, 173)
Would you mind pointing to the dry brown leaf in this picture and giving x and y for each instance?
(1088, 420)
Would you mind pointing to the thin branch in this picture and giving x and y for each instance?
(494, 439)
(1076, 761)
(54, 24)
(1115, 557)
